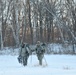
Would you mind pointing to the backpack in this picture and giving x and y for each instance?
(39, 50)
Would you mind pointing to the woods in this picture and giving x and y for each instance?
(50, 21)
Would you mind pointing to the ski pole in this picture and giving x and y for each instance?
(31, 59)
(45, 61)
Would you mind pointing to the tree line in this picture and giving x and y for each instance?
(50, 21)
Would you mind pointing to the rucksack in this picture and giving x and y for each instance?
(39, 50)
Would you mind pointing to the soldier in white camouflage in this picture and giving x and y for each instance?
(23, 54)
(40, 52)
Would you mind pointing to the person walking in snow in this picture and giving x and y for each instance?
(40, 52)
(23, 54)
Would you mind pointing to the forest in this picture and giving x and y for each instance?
(49, 21)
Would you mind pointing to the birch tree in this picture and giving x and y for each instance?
(4, 15)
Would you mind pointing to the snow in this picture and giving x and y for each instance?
(57, 65)
(60, 48)
(52, 48)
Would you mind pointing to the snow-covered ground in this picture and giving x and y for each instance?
(57, 65)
